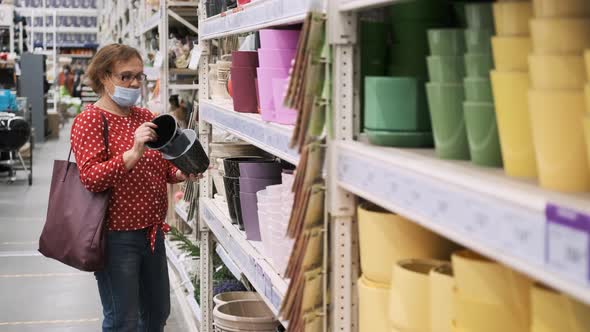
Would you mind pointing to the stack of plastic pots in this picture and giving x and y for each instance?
(243, 79)
(275, 204)
(384, 239)
(552, 311)
(510, 82)
(231, 182)
(277, 50)
(445, 93)
(253, 178)
(244, 316)
(489, 296)
(480, 117)
(396, 109)
(560, 33)
(587, 95)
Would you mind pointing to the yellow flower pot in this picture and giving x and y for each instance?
(386, 238)
(480, 280)
(511, 53)
(587, 97)
(557, 71)
(587, 63)
(514, 125)
(441, 298)
(555, 312)
(409, 306)
(587, 135)
(561, 8)
(512, 18)
(373, 304)
(560, 35)
(474, 316)
(558, 136)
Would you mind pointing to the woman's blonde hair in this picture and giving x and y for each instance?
(102, 63)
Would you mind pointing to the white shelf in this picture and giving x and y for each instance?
(59, 11)
(183, 71)
(182, 3)
(258, 15)
(152, 22)
(63, 29)
(480, 208)
(229, 263)
(184, 278)
(245, 254)
(347, 5)
(271, 137)
(173, 86)
(178, 208)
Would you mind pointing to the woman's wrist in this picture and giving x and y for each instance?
(130, 158)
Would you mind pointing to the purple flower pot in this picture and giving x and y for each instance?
(252, 186)
(244, 59)
(276, 58)
(267, 170)
(244, 89)
(249, 205)
(265, 77)
(232, 165)
(279, 39)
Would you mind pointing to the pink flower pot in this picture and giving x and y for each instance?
(265, 77)
(244, 89)
(244, 59)
(279, 39)
(276, 58)
(283, 114)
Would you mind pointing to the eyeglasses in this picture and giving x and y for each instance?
(127, 77)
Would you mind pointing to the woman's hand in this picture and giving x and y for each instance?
(191, 177)
(143, 134)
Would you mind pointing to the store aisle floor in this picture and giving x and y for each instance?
(36, 293)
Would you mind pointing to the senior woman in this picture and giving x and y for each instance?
(134, 286)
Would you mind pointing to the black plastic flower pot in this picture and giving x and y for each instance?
(170, 139)
(192, 158)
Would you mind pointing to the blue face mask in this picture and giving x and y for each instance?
(125, 97)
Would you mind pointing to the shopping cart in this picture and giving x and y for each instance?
(15, 132)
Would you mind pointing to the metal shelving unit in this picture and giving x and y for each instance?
(244, 258)
(271, 137)
(506, 219)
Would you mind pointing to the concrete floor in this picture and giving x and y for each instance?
(36, 293)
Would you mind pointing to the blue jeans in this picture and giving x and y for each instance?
(134, 287)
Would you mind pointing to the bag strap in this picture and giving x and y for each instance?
(105, 136)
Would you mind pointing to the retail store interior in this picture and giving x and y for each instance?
(328, 165)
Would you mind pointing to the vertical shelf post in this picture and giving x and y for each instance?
(343, 228)
(206, 190)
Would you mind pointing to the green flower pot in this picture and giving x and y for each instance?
(409, 60)
(448, 122)
(478, 40)
(400, 139)
(479, 65)
(395, 104)
(446, 69)
(479, 15)
(482, 134)
(446, 41)
(478, 90)
(421, 9)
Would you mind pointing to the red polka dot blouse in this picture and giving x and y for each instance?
(139, 196)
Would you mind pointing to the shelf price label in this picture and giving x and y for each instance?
(568, 242)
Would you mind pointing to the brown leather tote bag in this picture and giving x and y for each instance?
(75, 228)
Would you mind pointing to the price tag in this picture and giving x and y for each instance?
(568, 241)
